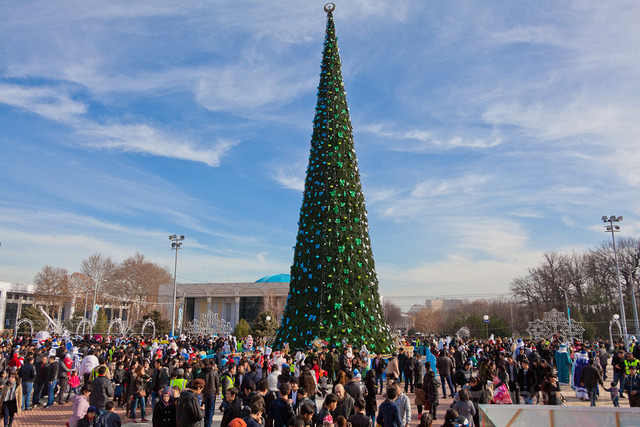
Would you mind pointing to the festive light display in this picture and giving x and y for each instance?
(333, 293)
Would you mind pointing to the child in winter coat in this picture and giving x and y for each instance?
(431, 393)
(74, 384)
(421, 398)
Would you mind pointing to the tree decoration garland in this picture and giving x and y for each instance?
(333, 294)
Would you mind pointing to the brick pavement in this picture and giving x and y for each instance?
(57, 415)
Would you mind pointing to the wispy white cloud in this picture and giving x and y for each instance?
(525, 213)
(51, 103)
(58, 105)
(423, 141)
(142, 138)
(289, 177)
(441, 187)
(243, 86)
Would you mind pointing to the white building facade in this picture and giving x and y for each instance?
(14, 297)
(230, 301)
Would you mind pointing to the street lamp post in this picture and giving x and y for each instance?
(176, 243)
(614, 229)
(486, 324)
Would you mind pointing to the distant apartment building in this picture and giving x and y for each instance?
(441, 304)
(415, 309)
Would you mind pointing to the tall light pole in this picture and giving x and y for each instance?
(176, 243)
(486, 323)
(614, 229)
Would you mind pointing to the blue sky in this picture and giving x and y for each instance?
(486, 132)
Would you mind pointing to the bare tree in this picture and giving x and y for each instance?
(138, 280)
(52, 288)
(392, 314)
(274, 304)
(100, 270)
(80, 287)
(428, 321)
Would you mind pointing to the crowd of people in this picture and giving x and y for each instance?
(184, 382)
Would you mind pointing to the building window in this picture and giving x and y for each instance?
(189, 313)
(10, 315)
(250, 307)
(227, 316)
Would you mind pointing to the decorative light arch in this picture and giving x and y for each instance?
(83, 321)
(122, 329)
(148, 322)
(22, 321)
(614, 321)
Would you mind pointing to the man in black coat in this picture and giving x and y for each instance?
(462, 375)
(353, 387)
(407, 369)
(41, 380)
(346, 404)
(27, 374)
(330, 364)
(101, 390)
(402, 357)
(189, 411)
(527, 382)
(444, 365)
(209, 375)
(512, 369)
(590, 378)
(233, 409)
(159, 379)
(344, 361)
(302, 399)
(52, 380)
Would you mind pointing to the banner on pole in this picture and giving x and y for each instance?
(94, 316)
(179, 318)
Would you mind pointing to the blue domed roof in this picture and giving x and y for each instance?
(275, 278)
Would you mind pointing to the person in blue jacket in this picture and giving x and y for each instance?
(388, 412)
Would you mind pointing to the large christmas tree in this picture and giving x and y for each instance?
(333, 293)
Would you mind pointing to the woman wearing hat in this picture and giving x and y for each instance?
(164, 413)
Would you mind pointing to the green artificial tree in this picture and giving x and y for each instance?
(265, 325)
(333, 293)
(242, 329)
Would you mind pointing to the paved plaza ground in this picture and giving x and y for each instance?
(58, 415)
